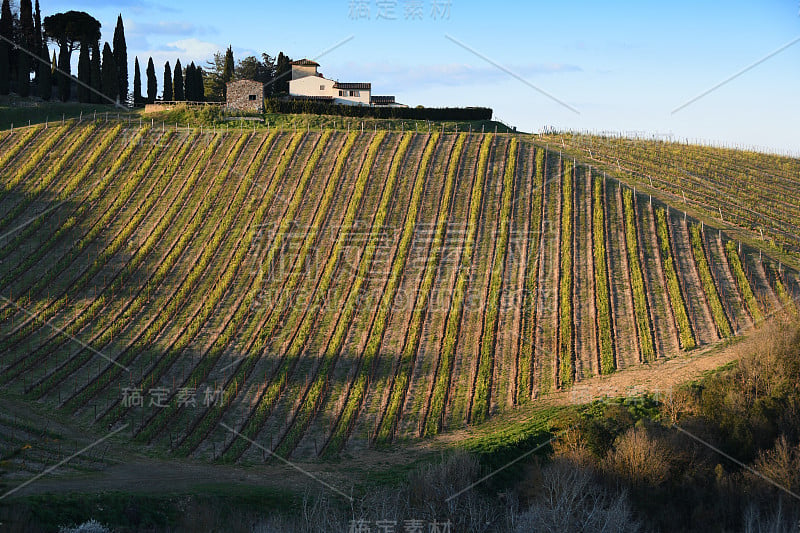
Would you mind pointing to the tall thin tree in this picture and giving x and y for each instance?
(39, 40)
(84, 75)
(200, 84)
(7, 31)
(110, 77)
(138, 99)
(188, 83)
(26, 38)
(121, 59)
(177, 84)
(45, 79)
(96, 75)
(63, 76)
(228, 70)
(167, 96)
(152, 82)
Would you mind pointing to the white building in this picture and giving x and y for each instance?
(308, 83)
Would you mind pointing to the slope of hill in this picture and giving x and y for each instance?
(753, 190)
(219, 294)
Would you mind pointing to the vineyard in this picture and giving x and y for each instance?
(228, 293)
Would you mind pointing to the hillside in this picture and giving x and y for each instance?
(320, 291)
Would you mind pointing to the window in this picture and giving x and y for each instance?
(321, 87)
(341, 93)
(252, 98)
(353, 93)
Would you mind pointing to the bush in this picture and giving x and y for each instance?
(639, 458)
(277, 105)
(572, 499)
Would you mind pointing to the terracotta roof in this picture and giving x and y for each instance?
(353, 86)
(381, 100)
(305, 63)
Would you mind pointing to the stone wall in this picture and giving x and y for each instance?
(245, 95)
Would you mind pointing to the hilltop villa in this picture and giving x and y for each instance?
(308, 83)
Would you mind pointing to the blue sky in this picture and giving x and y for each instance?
(624, 66)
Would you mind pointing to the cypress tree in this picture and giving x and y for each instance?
(283, 66)
(167, 97)
(8, 25)
(6, 30)
(121, 60)
(5, 69)
(64, 81)
(37, 29)
(38, 41)
(152, 82)
(177, 84)
(138, 99)
(84, 75)
(228, 69)
(200, 84)
(96, 75)
(45, 80)
(110, 78)
(188, 83)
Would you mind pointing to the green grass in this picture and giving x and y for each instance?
(22, 112)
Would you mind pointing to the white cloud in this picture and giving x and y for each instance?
(187, 50)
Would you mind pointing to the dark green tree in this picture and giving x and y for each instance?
(37, 27)
(138, 99)
(39, 41)
(7, 32)
(167, 96)
(252, 68)
(121, 59)
(96, 75)
(152, 82)
(84, 75)
(63, 74)
(70, 29)
(110, 78)
(5, 69)
(200, 84)
(214, 86)
(177, 83)
(188, 83)
(26, 38)
(283, 70)
(229, 68)
(45, 79)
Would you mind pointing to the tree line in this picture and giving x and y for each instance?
(278, 105)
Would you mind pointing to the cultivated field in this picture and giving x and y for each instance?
(223, 293)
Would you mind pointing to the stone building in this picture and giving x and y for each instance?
(245, 95)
